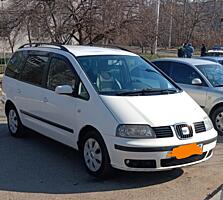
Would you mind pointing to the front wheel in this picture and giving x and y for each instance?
(95, 155)
(14, 123)
(217, 119)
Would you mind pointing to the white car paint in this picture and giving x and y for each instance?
(105, 113)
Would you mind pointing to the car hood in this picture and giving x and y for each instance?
(156, 110)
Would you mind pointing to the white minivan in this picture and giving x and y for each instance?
(115, 107)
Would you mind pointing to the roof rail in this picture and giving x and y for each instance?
(36, 44)
(109, 46)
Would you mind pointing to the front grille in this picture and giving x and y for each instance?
(173, 161)
(180, 132)
(163, 131)
(199, 127)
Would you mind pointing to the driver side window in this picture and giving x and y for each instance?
(60, 73)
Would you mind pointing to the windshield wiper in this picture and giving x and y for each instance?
(147, 91)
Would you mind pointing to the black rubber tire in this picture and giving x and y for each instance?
(213, 118)
(105, 170)
(20, 128)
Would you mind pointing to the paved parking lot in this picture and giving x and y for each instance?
(39, 168)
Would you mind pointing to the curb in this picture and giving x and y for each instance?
(216, 195)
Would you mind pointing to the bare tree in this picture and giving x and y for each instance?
(113, 21)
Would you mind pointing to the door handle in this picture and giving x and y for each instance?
(45, 100)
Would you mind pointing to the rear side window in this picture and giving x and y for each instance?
(164, 66)
(15, 64)
(221, 62)
(34, 69)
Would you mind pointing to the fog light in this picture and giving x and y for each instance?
(127, 162)
(140, 163)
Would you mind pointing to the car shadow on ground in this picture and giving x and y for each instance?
(36, 164)
(220, 139)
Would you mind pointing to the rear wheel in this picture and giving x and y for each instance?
(95, 155)
(217, 119)
(14, 123)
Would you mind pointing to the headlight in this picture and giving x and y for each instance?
(135, 131)
(208, 124)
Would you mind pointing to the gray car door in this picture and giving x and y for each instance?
(183, 74)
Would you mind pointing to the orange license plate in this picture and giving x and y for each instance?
(186, 151)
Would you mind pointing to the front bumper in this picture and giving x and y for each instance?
(151, 154)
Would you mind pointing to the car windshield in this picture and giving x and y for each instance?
(124, 75)
(213, 72)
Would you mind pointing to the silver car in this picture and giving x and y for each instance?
(202, 80)
(217, 59)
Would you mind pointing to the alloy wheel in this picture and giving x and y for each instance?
(92, 155)
(13, 121)
(219, 121)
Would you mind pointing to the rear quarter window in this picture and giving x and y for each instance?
(163, 66)
(15, 64)
(34, 69)
(221, 62)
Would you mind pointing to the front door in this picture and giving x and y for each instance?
(184, 74)
(58, 110)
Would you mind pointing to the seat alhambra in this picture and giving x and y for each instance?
(113, 106)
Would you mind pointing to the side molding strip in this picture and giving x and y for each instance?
(47, 121)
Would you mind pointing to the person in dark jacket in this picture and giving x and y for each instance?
(203, 50)
(180, 51)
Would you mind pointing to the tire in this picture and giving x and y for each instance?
(95, 155)
(14, 123)
(217, 119)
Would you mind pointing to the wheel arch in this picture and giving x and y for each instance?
(216, 106)
(84, 131)
(8, 104)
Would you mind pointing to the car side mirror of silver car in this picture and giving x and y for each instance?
(196, 81)
(64, 89)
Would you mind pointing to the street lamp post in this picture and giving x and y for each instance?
(171, 24)
(3, 42)
(157, 25)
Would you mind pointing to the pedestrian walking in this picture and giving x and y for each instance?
(203, 50)
(189, 50)
(180, 51)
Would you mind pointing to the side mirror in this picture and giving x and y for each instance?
(64, 89)
(196, 81)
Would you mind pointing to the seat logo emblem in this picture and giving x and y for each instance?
(185, 130)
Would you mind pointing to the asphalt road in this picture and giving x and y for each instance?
(36, 167)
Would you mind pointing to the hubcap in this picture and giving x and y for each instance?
(219, 121)
(13, 121)
(92, 154)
